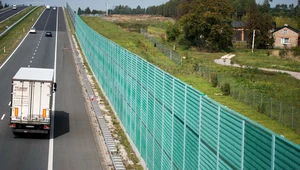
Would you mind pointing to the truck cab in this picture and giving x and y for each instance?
(14, 7)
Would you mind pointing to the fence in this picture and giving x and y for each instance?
(173, 55)
(281, 111)
(173, 125)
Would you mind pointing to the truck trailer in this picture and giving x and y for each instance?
(31, 100)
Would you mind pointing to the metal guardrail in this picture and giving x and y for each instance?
(13, 25)
(110, 144)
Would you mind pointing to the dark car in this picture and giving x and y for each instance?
(48, 34)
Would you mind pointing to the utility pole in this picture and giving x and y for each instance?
(253, 40)
(106, 7)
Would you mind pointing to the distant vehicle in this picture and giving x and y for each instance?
(14, 7)
(31, 100)
(48, 7)
(32, 30)
(54, 8)
(48, 34)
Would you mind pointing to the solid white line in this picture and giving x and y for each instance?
(2, 117)
(50, 153)
(9, 103)
(19, 44)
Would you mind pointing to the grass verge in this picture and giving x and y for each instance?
(11, 40)
(118, 130)
(267, 82)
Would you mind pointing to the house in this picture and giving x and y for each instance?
(239, 30)
(286, 36)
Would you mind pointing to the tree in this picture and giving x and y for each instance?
(1, 5)
(263, 30)
(173, 31)
(6, 5)
(79, 12)
(207, 21)
(87, 11)
(298, 14)
(94, 12)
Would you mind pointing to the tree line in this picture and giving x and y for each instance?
(3, 6)
(207, 23)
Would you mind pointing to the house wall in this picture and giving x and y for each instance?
(278, 35)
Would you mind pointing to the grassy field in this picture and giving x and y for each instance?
(283, 84)
(16, 34)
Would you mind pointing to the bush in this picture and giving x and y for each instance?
(214, 79)
(225, 88)
(173, 31)
(261, 108)
(296, 51)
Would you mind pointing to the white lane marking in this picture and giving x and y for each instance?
(19, 44)
(2, 116)
(50, 153)
(28, 65)
(9, 103)
(32, 57)
(37, 47)
(34, 50)
(30, 61)
(38, 44)
(33, 53)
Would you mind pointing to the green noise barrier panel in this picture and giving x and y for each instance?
(173, 125)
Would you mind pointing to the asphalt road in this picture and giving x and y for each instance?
(10, 12)
(74, 145)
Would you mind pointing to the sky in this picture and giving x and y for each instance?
(100, 4)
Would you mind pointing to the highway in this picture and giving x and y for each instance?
(72, 145)
(8, 13)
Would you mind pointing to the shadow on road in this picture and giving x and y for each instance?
(61, 123)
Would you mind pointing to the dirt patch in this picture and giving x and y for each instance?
(120, 18)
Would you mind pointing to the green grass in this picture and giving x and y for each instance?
(282, 84)
(260, 58)
(11, 40)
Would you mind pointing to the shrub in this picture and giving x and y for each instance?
(214, 79)
(225, 88)
(261, 108)
(296, 51)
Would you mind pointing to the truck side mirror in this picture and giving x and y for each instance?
(54, 87)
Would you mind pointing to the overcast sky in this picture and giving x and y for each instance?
(100, 4)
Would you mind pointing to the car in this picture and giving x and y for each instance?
(54, 8)
(32, 30)
(47, 6)
(14, 7)
(48, 34)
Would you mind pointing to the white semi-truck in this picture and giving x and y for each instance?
(31, 100)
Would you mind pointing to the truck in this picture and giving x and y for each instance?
(14, 7)
(31, 100)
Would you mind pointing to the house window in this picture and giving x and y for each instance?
(284, 32)
(285, 40)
